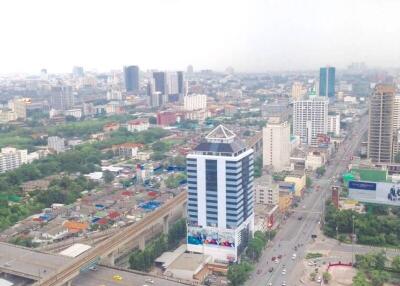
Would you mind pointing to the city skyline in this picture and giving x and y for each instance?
(264, 36)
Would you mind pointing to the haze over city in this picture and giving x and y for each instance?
(251, 36)
(199, 142)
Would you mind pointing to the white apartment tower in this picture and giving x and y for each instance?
(298, 91)
(276, 144)
(334, 124)
(194, 102)
(220, 196)
(56, 143)
(310, 119)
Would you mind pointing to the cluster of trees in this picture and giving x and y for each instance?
(23, 241)
(143, 259)
(256, 245)
(320, 170)
(239, 273)
(258, 165)
(64, 190)
(174, 180)
(379, 226)
(372, 269)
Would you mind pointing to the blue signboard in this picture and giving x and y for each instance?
(365, 186)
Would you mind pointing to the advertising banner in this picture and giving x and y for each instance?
(211, 237)
(375, 192)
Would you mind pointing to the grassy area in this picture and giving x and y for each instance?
(312, 255)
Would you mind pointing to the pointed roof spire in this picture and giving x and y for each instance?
(220, 134)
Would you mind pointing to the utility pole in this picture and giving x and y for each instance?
(352, 243)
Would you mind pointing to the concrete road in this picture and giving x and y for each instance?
(296, 232)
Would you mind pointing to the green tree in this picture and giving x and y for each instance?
(396, 263)
(378, 278)
(320, 170)
(327, 277)
(239, 273)
(258, 167)
(159, 146)
(313, 275)
(108, 176)
(360, 279)
(308, 182)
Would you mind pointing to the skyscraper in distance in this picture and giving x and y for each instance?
(160, 82)
(380, 132)
(131, 78)
(327, 81)
(220, 196)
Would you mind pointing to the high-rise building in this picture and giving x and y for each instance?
(310, 119)
(12, 158)
(61, 97)
(160, 82)
(298, 91)
(380, 133)
(276, 144)
(396, 127)
(327, 81)
(131, 78)
(334, 124)
(194, 102)
(78, 71)
(220, 196)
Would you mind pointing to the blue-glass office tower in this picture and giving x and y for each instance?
(131, 78)
(327, 81)
(220, 196)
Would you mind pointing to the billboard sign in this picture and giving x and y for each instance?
(210, 237)
(375, 192)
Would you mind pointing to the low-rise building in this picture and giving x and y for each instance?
(138, 125)
(129, 150)
(110, 127)
(76, 113)
(266, 193)
(12, 158)
(285, 200)
(166, 118)
(314, 160)
(56, 144)
(299, 180)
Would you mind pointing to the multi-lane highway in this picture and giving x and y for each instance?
(296, 232)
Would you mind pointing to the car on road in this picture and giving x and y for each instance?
(319, 280)
(270, 284)
(284, 272)
(279, 256)
(284, 283)
(117, 277)
(149, 280)
(300, 218)
(271, 269)
(294, 256)
(273, 258)
(259, 271)
(276, 261)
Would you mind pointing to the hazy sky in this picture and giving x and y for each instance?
(249, 35)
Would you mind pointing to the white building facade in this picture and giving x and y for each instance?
(194, 102)
(276, 144)
(220, 196)
(12, 158)
(56, 143)
(310, 119)
(334, 124)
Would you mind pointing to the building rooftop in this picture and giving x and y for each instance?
(221, 140)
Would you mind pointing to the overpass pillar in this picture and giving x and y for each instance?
(142, 242)
(69, 283)
(166, 224)
(184, 211)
